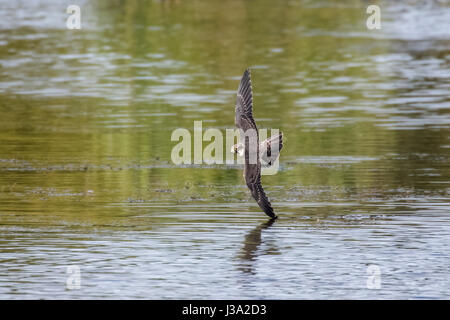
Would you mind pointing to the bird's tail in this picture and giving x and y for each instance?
(273, 140)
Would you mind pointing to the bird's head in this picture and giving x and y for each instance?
(238, 148)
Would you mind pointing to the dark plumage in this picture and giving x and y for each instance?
(244, 121)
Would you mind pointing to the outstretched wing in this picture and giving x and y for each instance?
(244, 104)
(253, 180)
(244, 121)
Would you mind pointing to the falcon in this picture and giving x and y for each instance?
(250, 148)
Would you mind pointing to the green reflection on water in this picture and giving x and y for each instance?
(86, 116)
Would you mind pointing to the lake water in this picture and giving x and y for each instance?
(88, 190)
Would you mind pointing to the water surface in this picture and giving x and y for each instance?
(86, 177)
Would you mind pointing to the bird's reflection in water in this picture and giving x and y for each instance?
(252, 242)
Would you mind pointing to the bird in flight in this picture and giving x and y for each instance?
(250, 148)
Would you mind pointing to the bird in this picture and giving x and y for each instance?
(251, 149)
